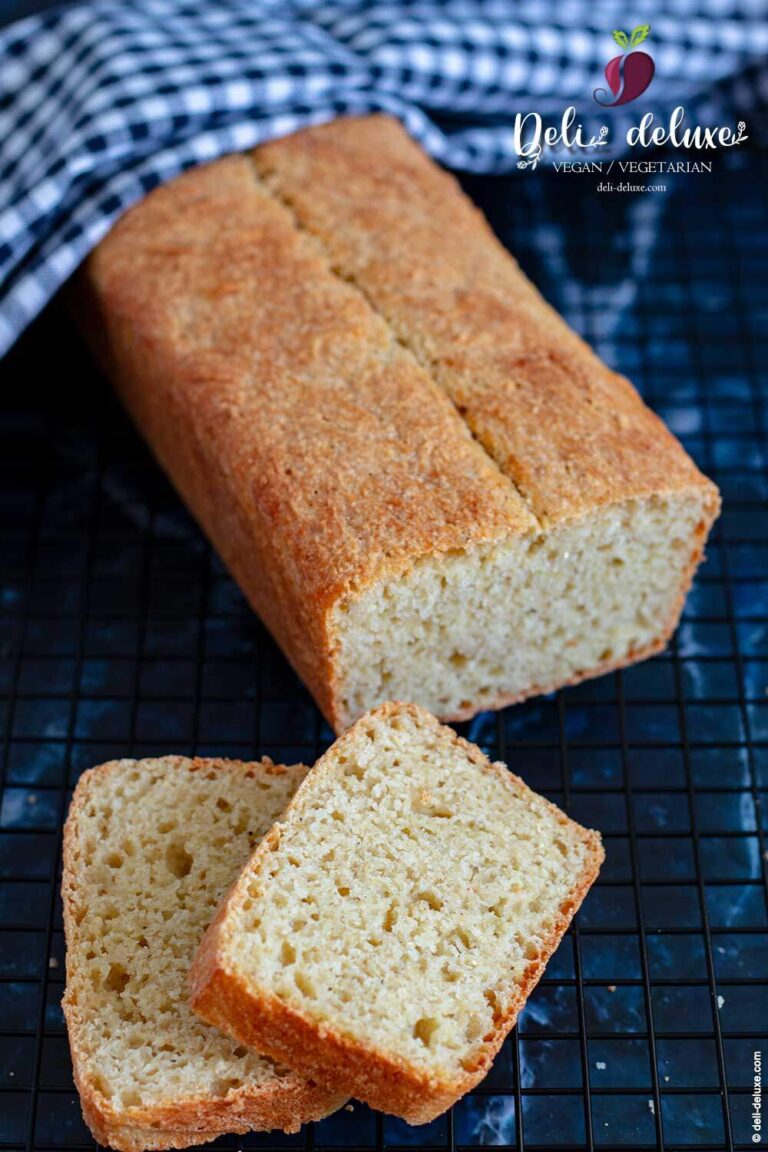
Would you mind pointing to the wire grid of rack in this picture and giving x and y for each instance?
(121, 634)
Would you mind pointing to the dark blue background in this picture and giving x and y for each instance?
(120, 634)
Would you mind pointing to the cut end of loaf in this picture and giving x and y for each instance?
(387, 932)
(466, 631)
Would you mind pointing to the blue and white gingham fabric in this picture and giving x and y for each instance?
(101, 101)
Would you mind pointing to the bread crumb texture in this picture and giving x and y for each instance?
(406, 904)
(150, 847)
(461, 631)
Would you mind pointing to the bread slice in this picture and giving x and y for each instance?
(150, 846)
(389, 928)
(425, 482)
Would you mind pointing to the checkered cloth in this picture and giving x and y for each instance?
(101, 101)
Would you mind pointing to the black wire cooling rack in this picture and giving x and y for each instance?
(121, 634)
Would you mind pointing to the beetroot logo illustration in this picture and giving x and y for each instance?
(629, 74)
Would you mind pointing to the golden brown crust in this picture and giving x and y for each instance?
(258, 1018)
(197, 1122)
(571, 434)
(191, 1120)
(131, 1138)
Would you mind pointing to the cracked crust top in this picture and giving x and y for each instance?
(569, 433)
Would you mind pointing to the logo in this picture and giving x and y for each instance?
(629, 74)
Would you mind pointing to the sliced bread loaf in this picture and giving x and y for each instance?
(150, 846)
(389, 928)
(425, 483)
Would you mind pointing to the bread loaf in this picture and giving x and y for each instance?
(426, 484)
(150, 846)
(391, 925)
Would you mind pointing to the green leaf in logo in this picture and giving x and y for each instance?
(621, 38)
(639, 34)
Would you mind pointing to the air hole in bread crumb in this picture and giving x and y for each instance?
(287, 954)
(223, 1087)
(342, 890)
(493, 1003)
(304, 984)
(463, 937)
(424, 1029)
(178, 860)
(432, 899)
(457, 659)
(117, 978)
(475, 1027)
(339, 816)
(391, 918)
(355, 771)
(240, 1052)
(101, 1086)
(115, 860)
(428, 805)
(223, 805)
